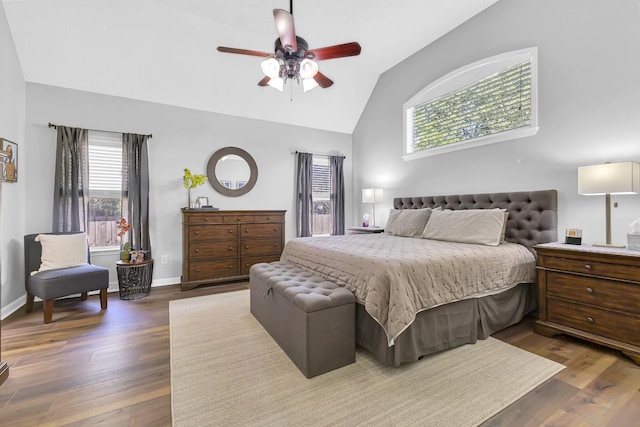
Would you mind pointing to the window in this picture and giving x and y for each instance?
(105, 188)
(320, 196)
(485, 102)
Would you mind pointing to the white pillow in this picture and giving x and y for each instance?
(480, 226)
(408, 222)
(62, 250)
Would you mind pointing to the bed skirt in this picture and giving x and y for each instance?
(446, 326)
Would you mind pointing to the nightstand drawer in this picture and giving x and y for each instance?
(600, 322)
(598, 292)
(593, 268)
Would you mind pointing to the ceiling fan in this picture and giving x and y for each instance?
(292, 59)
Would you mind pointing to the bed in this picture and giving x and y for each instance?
(410, 303)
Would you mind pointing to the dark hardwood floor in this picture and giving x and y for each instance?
(112, 368)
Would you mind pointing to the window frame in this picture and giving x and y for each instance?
(466, 76)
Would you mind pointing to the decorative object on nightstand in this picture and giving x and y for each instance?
(373, 196)
(591, 293)
(608, 179)
(573, 236)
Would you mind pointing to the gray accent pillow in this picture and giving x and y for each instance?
(407, 222)
(479, 226)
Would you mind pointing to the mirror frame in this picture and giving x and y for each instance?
(213, 180)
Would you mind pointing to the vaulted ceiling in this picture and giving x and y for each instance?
(164, 51)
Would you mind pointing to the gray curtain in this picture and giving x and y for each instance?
(135, 188)
(337, 195)
(71, 182)
(304, 205)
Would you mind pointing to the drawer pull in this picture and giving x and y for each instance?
(206, 219)
(197, 250)
(587, 266)
(275, 245)
(246, 230)
(275, 229)
(231, 267)
(590, 319)
(239, 219)
(230, 248)
(230, 231)
(246, 247)
(197, 270)
(589, 290)
(268, 218)
(197, 231)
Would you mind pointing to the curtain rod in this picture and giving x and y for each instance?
(52, 125)
(318, 154)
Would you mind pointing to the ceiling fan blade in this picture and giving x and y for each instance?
(286, 29)
(336, 51)
(264, 81)
(322, 80)
(243, 51)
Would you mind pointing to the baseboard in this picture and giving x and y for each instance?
(19, 302)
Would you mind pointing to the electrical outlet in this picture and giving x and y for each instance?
(165, 259)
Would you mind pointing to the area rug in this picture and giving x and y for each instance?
(226, 370)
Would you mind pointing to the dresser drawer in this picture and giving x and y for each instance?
(598, 292)
(235, 219)
(596, 321)
(218, 249)
(269, 218)
(594, 268)
(211, 232)
(203, 270)
(260, 247)
(260, 230)
(202, 219)
(247, 262)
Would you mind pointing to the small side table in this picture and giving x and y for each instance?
(134, 279)
(365, 230)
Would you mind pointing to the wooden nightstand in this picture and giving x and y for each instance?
(365, 230)
(591, 293)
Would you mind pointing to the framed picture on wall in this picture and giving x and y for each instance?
(8, 160)
(240, 184)
(225, 183)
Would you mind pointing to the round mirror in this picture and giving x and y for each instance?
(232, 171)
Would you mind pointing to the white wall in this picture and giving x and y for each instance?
(182, 138)
(589, 85)
(12, 127)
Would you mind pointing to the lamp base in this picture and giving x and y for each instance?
(608, 245)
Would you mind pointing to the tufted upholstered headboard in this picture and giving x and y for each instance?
(533, 215)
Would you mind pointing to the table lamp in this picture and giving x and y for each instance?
(607, 179)
(373, 196)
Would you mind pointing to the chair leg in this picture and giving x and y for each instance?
(103, 299)
(83, 296)
(48, 311)
(29, 306)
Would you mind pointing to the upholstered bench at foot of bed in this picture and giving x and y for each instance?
(311, 319)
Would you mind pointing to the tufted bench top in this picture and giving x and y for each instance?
(310, 293)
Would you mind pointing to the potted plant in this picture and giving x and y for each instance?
(121, 228)
(192, 181)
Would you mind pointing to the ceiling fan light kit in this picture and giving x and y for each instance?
(292, 59)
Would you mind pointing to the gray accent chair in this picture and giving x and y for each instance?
(53, 284)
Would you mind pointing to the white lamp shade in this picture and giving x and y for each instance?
(276, 83)
(308, 84)
(609, 178)
(308, 68)
(371, 195)
(270, 67)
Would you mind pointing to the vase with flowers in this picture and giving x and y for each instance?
(190, 181)
(121, 228)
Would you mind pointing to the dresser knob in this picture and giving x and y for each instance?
(206, 219)
(589, 290)
(590, 319)
(197, 231)
(275, 245)
(197, 250)
(230, 248)
(587, 266)
(197, 270)
(268, 218)
(230, 231)
(275, 229)
(246, 247)
(246, 230)
(239, 219)
(230, 267)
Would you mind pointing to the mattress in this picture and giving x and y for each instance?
(395, 278)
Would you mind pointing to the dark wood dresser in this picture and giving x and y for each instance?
(591, 293)
(220, 246)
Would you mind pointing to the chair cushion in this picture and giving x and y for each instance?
(62, 250)
(53, 284)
